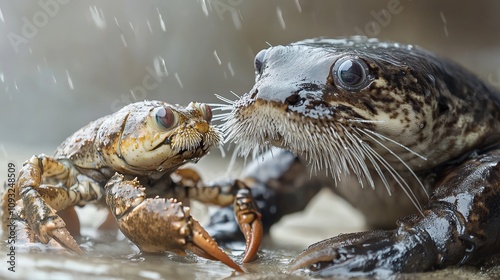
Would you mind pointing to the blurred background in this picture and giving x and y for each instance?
(64, 63)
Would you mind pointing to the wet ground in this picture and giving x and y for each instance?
(111, 256)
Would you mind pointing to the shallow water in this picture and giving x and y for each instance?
(109, 255)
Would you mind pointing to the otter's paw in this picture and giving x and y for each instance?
(370, 253)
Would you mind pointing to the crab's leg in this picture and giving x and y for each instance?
(158, 225)
(40, 201)
(249, 220)
(246, 210)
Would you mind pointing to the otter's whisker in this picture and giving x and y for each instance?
(237, 96)
(397, 178)
(398, 157)
(395, 142)
(366, 151)
(406, 188)
(365, 121)
(360, 157)
(220, 117)
(224, 99)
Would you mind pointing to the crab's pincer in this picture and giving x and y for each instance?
(157, 225)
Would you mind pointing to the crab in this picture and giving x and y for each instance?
(130, 161)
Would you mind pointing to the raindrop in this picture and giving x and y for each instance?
(2, 78)
(280, 17)
(230, 67)
(178, 80)
(4, 151)
(70, 82)
(444, 21)
(299, 8)
(149, 27)
(160, 66)
(39, 68)
(131, 27)
(1, 16)
(133, 95)
(98, 17)
(123, 40)
(15, 85)
(442, 17)
(204, 7)
(217, 57)
(116, 22)
(54, 79)
(236, 17)
(162, 23)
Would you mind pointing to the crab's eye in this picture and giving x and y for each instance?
(259, 61)
(166, 118)
(207, 112)
(350, 73)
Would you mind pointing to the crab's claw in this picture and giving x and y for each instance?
(204, 246)
(157, 225)
(51, 227)
(249, 220)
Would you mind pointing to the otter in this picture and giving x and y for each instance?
(409, 138)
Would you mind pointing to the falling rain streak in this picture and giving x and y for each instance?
(70, 81)
(444, 21)
(178, 80)
(149, 26)
(204, 7)
(160, 67)
(162, 23)
(217, 57)
(280, 17)
(123, 40)
(236, 16)
(230, 67)
(299, 8)
(98, 17)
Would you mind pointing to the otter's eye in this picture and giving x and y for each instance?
(166, 118)
(259, 61)
(350, 73)
(207, 112)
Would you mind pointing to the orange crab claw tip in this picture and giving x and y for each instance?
(202, 240)
(63, 237)
(253, 236)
